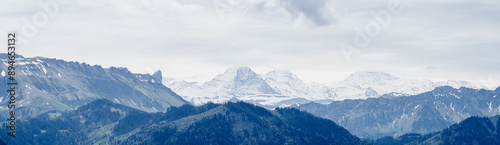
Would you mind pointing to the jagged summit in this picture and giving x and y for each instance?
(157, 76)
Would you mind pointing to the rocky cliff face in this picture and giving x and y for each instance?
(49, 84)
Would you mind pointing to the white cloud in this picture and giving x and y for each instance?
(457, 39)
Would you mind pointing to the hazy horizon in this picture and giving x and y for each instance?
(195, 40)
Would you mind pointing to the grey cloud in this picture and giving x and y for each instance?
(318, 11)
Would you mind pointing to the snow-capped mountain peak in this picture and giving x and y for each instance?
(235, 82)
(236, 74)
(283, 88)
(286, 83)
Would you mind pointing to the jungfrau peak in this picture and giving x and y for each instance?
(286, 83)
(237, 82)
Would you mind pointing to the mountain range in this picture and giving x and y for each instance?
(367, 104)
(281, 88)
(394, 116)
(473, 130)
(50, 84)
(105, 122)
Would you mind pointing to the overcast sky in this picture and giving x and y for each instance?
(195, 40)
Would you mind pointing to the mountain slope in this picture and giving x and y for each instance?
(242, 123)
(473, 130)
(281, 88)
(50, 84)
(423, 113)
(104, 122)
(239, 81)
